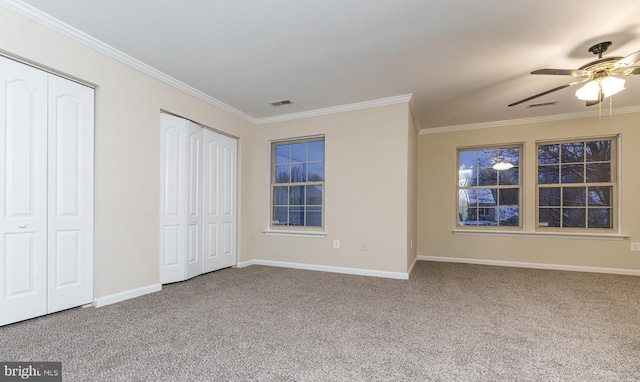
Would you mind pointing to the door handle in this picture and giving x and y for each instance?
(22, 225)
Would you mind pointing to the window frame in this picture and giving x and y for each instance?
(273, 185)
(520, 186)
(614, 183)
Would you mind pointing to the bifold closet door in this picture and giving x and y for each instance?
(46, 193)
(197, 200)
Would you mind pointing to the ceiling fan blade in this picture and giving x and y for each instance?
(629, 60)
(562, 72)
(545, 93)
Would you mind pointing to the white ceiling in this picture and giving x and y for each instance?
(464, 61)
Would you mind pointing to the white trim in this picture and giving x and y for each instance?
(273, 232)
(555, 235)
(412, 265)
(126, 295)
(66, 30)
(336, 109)
(524, 121)
(517, 264)
(326, 268)
(245, 264)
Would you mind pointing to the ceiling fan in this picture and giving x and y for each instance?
(598, 75)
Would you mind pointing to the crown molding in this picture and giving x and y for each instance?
(336, 109)
(524, 121)
(66, 30)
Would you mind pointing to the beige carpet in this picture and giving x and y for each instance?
(449, 322)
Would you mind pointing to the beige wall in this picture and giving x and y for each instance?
(437, 197)
(127, 153)
(366, 191)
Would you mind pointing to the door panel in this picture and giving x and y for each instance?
(70, 194)
(220, 200)
(23, 196)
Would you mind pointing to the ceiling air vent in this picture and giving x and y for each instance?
(280, 103)
(541, 104)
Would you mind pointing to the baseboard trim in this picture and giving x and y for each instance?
(326, 268)
(517, 264)
(126, 295)
(412, 266)
(245, 264)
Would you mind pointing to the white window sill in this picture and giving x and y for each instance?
(282, 232)
(559, 235)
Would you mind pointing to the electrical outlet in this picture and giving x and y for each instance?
(336, 244)
(635, 247)
(364, 246)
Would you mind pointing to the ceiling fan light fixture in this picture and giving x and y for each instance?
(589, 92)
(612, 85)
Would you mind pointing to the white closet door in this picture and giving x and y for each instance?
(219, 219)
(194, 201)
(173, 212)
(70, 205)
(23, 192)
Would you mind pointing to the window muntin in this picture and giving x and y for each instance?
(297, 183)
(486, 196)
(576, 184)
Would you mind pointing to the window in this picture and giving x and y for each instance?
(297, 183)
(576, 184)
(489, 186)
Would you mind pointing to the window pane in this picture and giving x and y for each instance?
(509, 197)
(487, 158)
(598, 151)
(280, 216)
(598, 172)
(572, 152)
(298, 172)
(574, 196)
(548, 154)
(282, 173)
(487, 197)
(467, 177)
(316, 172)
(281, 196)
(572, 173)
(488, 177)
(600, 196)
(488, 216)
(510, 155)
(509, 177)
(600, 218)
(314, 195)
(548, 174)
(316, 151)
(314, 216)
(573, 217)
(299, 152)
(296, 215)
(468, 216)
(549, 196)
(296, 195)
(467, 198)
(467, 159)
(283, 154)
(509, 216)
(549, 217)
